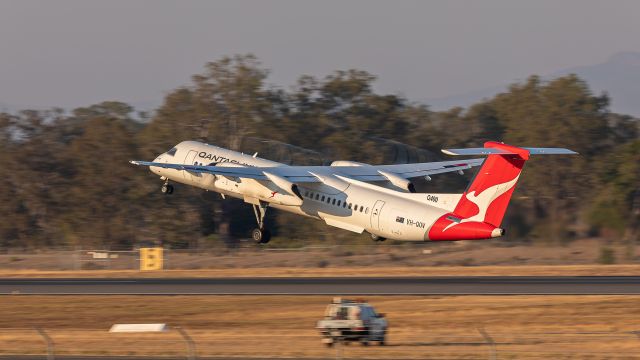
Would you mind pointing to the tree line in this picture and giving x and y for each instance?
(67, 180)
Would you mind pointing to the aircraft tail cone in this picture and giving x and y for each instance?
(497, 232)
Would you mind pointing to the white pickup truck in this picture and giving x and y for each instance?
(349, 320)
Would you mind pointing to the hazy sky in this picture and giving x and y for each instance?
(75, 53)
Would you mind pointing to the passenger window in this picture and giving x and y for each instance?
(322, 197)
(344, 204)
(366, 211)
(317, 196)
(361, 207)
(333, 202)
(339, 202)
(328, 200)
(349, 206)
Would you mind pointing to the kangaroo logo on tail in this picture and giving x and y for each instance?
(484, 200)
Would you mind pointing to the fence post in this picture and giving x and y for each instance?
(489, 340)
(191, 345)
(49, 341)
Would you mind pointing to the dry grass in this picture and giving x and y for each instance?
(558, 327)
(347, 256)
(539, 270)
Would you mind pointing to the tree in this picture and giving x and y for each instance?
(560, 113)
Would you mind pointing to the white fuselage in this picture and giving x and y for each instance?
(348, 204)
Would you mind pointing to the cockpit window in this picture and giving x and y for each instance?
(172, 151)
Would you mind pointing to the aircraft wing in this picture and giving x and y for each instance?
(300, 174)
(408, 171)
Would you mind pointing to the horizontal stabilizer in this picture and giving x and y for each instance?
(549, 151)
(496, 151)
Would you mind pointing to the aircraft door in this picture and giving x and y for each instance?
(375, 214)
(190, 159)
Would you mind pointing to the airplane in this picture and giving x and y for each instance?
(378, 199)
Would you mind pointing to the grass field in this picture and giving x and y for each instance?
(523, 327)
(451, 257)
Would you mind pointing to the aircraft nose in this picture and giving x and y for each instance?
(154, 169)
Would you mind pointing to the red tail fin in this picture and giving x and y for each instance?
(481, 208)
(487, 198)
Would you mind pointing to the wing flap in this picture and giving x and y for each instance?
(344, 226)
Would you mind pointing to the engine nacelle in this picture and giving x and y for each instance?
(398, 181)
(268, 191)
(284, 184)
(348, 163)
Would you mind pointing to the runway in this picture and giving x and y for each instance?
(477, 285)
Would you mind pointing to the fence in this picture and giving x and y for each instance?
(201, 343)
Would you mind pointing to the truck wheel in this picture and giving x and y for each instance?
(383, 339)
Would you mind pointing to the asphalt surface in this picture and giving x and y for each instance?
(477, 285)
(120, 357)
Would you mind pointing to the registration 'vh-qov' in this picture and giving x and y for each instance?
(378, 199)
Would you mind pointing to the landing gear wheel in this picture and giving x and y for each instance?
(377, 238)
(167, 189)
(261, 236)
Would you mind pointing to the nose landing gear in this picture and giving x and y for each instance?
(167, 188)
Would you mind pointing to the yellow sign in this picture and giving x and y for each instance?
(151, 258)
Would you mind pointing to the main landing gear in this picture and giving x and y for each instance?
(377, 238)
(167, 188)
(261, 235)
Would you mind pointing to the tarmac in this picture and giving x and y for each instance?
(454, 285)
